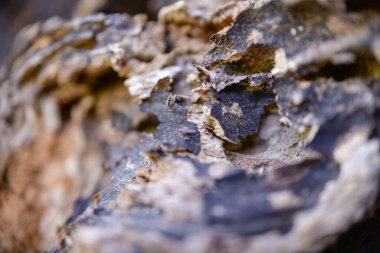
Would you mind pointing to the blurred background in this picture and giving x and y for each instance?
(16, 14)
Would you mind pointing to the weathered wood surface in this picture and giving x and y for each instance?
(120, 134)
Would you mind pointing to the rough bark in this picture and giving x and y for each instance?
(122, 133)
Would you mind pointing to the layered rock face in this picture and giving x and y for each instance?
(205, 126)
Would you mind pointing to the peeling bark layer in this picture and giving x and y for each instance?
(129, 135)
